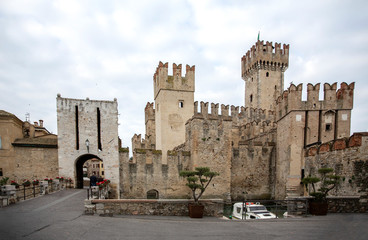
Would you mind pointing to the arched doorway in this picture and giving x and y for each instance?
(80, 174)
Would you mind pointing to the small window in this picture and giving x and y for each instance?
(181, 103)
(1, 172)
(267, 74)
(152, 194)
(251, 98)
(102, 172)
(328, 126)
(101, 165)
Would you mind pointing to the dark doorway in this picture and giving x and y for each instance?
(79, 167)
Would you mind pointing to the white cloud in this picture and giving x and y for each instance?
(108, 49)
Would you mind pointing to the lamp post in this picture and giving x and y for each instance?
(87, 145)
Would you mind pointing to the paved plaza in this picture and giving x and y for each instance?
(60, 216)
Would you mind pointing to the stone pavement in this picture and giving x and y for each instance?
(60, 216)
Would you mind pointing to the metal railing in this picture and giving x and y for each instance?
(283, 208)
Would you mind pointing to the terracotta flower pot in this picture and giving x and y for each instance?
(318, 208)
(196, 211)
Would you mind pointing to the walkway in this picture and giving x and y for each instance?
(60, 216)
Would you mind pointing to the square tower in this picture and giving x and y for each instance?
(174, 100)
(263, 69)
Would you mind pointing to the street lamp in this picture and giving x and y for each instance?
(87, 145)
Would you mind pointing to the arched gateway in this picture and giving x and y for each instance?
(79, 173)
(88, 129)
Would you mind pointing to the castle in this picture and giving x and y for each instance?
(262, 150)
(259, 149)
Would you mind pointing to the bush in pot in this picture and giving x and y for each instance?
(198, 181)
(328, 181)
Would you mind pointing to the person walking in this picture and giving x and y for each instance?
(93, 180)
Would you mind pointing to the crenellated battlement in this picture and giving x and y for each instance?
(239, 115)
(265, 56)
(291, 99)
(138, 142)
(248, 122)
(149, 112)
(162, 80)
(355, 140)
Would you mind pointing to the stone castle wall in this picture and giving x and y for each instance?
(239, 143)
(349, 159)
(303, 123)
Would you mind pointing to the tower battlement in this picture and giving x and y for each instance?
(265, 56)
(239, 115)
(246, 123)
(162, 80)
(138, 142)
(291, 99)
(149, 112)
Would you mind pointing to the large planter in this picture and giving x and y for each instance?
(318, 208)
(196, 211)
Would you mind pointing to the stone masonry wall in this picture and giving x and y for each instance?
(164, 207)
(69, 153)
(253, 168)
(36, 163)
(146, 172)
(349, 158)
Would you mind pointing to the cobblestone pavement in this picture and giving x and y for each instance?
(60, 216)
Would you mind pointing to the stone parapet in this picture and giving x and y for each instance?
(162, 207)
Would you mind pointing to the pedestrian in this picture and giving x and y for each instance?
(93, 180)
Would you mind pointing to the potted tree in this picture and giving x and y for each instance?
(198, 181)
(328, 181)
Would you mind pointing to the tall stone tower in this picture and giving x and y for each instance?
(174, 100)
(263, 69)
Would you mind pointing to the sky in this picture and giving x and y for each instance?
(110, 49)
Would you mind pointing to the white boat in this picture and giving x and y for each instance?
(251, 210)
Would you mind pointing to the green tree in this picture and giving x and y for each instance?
(198, 180)
(328, 182)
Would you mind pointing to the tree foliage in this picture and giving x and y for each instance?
(198, 180)
(328, 182)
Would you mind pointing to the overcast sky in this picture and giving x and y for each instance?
(110, 49)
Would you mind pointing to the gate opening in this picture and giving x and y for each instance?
(86, 166)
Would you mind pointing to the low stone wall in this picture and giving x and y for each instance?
(349, 204)
(163, 207)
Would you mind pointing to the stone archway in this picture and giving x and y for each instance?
(79, 162)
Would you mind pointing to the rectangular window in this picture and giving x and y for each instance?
(76, 129)
(328, 126)
(1, 172)
(99, 129)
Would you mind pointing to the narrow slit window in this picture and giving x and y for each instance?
(251, 98)
(181, 104)
(267, 74)
(76, 129)
(99, 129)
